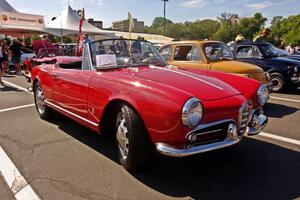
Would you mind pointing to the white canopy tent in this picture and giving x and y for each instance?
(154, 38)
(4, 6)
(68, 24)
(19, 24)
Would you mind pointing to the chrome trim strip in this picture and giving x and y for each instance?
(203, 126)
(193, 77)
(172, 151)
(70, 113)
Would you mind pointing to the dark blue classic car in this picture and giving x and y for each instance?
(284, 73)
(283, 53)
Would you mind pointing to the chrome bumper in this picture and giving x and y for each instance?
(257, 123)
(295, 79)
(172, 151)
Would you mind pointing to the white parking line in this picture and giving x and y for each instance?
(280, 138)
(13, 178)
(285, 99)
(16, 86)
(17, 107)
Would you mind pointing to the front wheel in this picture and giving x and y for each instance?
(277, 81)
(132, 139)
(43, 110)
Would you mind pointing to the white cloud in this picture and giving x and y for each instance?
(194, 4)
(257, 6)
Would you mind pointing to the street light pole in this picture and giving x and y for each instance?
(165, 15)
(61, 30)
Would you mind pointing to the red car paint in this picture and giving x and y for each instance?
(156, 93)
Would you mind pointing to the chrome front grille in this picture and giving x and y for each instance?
(244, 117)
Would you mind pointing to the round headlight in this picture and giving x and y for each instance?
(262, 95)
(192, 112)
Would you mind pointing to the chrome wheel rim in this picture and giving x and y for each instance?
(40, 100)
(276, 83)
(122, 136)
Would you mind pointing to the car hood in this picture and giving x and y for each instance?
(197, 85)
(284, 60)
(236, 67)
(294, 57)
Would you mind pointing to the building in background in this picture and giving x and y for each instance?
(123, 25)
(98, 24)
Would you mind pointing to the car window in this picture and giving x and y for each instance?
(166, 53)
(187, 53)
(218, 51)
(243, 52)
(195, 56)
(248, 52)
(256, 52)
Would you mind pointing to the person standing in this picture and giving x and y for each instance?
(5, 53)
(263, 37)
(86, 38)
(15, 49)
(1, 58)
(290, 49)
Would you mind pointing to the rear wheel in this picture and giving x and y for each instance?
(43, 110)
(277, 81)
(132, 139)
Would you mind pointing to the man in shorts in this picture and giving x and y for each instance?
(15, 49)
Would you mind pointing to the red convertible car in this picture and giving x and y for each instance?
(125, 88)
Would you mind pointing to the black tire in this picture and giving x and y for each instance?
(278, 82)
(136, 141)
(43, 110)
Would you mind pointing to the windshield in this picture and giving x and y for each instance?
(124, 53)
(281, 52)
(218, 51)
(269, 50)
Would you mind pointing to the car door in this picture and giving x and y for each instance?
(188, 56)
(71, 87)
(250, 54)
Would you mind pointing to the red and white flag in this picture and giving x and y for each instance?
(80, 34)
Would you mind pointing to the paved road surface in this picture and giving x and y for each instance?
(63, 160)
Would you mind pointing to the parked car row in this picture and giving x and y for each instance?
(284, 71)
(260, 61)
(125, 88)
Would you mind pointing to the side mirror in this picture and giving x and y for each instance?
(105, 61)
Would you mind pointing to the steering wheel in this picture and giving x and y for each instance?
(218, 54)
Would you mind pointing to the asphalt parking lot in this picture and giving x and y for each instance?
(63, 160)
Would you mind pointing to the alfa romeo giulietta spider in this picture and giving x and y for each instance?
(126, 89)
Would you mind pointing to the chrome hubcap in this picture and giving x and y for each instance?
(122, 136)
(40, 100)
(276, 82)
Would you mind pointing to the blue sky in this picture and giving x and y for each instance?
(177, 10)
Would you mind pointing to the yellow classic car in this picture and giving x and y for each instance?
(209, 55)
